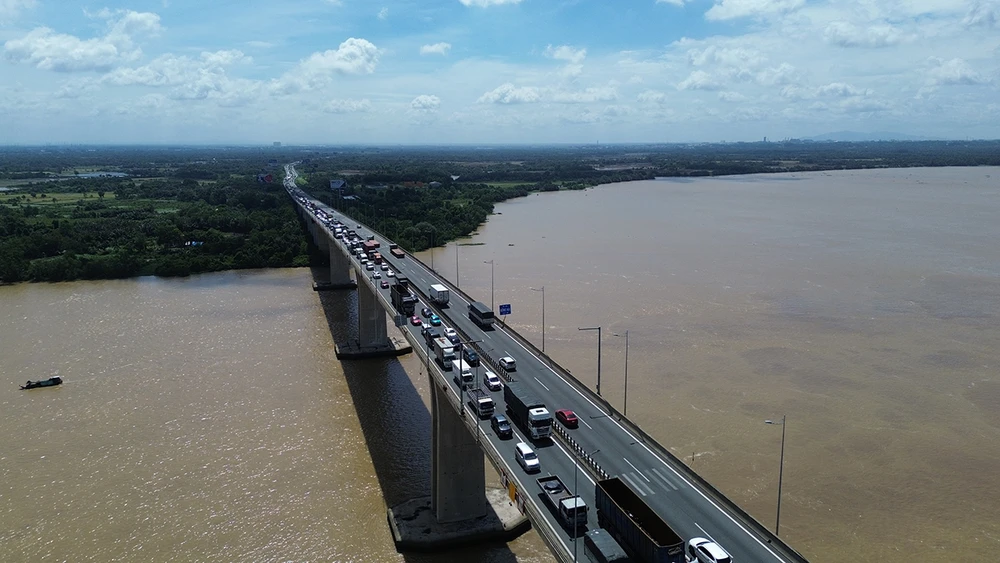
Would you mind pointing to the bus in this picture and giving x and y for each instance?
(480, 314)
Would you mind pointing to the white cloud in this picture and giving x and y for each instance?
(435, 49)
(10, 9)
(353, 56)
(840, 89)
(566, 53)
(173, 70)
(348, 106)
(589, 95)
(383, 14)
(984, 13)
(954, 72)
(510, 94)
(699, 80)
(731, 96)
(652, 97)
(487, 3)
(48, 50)
(849, 35)
(732, 9)
(679, 3)
(425, 103)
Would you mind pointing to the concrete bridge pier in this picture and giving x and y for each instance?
(373, 340)
(460, 509)
(340, 271)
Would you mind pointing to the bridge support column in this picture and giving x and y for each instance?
(458, 481)
(340, 271)
(373, 340)
(460, 509)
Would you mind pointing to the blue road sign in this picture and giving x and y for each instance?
(505, 309)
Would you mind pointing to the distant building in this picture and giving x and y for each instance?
(277, 143)
(453, 178)
(337, 184)
(435, 184)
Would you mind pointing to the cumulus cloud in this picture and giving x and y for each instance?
(425, 103)
(699, 80)
(652, 97)
(589, 95)
(840, 89)
(173, 70)
(733, 9)
(383, 14)
(566, 53)
(509, 94)
(487, 3)
(982, 13)
(435, 49)
(43, 48)
(348, 106)
(847, 34)
(10, 9)
(953, 72)
(673, 2)
(353, 56)
(729, 96)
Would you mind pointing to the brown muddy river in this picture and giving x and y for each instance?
(208, 419)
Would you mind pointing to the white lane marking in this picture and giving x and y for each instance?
(707, 535)
(542, 384)
(690, 485)
(636, 469)
(585, 423)
(663, 479)
(634, 485)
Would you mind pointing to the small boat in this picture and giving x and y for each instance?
(42, 383)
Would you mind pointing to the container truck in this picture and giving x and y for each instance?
(402, 299)
(570, 508)
(634, 525)
(527, 410)
(397, 252)
(444, 351)
(463, 374)
(480, 314)
(439, 294)
(482, 403)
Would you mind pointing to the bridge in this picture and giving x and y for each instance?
(606, 444)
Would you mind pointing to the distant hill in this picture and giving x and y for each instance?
(855, 136)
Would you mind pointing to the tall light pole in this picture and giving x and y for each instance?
(542, 289)
(781, 470)
(457, 284)
(625, 406)
(576, 491)
(598, 329)
(490, 262)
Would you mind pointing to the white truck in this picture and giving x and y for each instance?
(439, 294)
(571, 509)
(482, 403)
(463, 374)
(444, 351)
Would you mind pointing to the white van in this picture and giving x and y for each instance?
(508, 363)
(526, 458)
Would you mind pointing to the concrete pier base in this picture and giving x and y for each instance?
(415, 528)
(327, 286)
(396, 346)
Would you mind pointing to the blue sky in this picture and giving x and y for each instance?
(494, 71)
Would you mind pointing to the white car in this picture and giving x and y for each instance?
(390, 274)
(448, 331)
(385, 267)
(508, 363)
(492, 381)
(369, 266)
(526, 458)
(701, 550)
(377, 275)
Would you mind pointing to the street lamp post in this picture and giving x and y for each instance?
(598, 329)
(490, 262)
(542, 289)
(576, 490)
(781, 470)
(457, 284)
(625, 404)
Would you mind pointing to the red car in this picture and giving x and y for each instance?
(568, 418)
(415, 321)
(385, 284)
